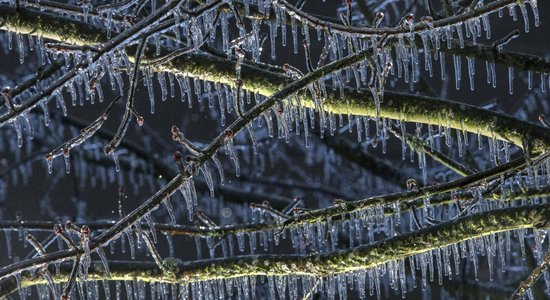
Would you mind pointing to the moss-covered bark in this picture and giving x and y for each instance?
(359, 258)
(410, 108)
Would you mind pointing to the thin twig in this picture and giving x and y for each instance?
(528, 282)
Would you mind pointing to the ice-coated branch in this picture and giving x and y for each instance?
(184, 230)
(86, 133)
(419, 145)
(398, 106)
(129, 111)
(528, 282)
(415, 28)
(368, 256)
(405, 199)
(416, 108)
(402, 198)
(374, 164)
(321, 265)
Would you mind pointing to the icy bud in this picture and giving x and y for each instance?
(428, 21)
(543, 121)
(407, 21)
(377, 19)
(411, 184)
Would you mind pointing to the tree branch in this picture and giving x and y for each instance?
(321, 265)
(399, 106)
(532, 278)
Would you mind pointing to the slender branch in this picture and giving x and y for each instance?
(406, 200)
(528, 282)
(420, 145)
(417, 27)
(373, 164)
(72, 279)
(129, 110)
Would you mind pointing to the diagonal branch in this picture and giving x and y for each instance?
(531, 278)
(419, 145)
(405, 199)
(153, 202)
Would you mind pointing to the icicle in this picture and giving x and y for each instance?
(535, 10)
(114, 156)
(272, 35)
(240, 241)
(493, 74)
(523, 10)
(162, 82)
(18, 131)
(44, 106)
(294, 28)
(471, 71)
(402, 277)
(150, 90)
(521, 239)
(22, 290)
(458, 72)
(442, 64)
(486, 25)
(60, 102)
(152, 228)
(67, 159)
(220, 168)
(170, 210)
(439, 266)
(131, 243)
(49, 162)
(85, 261)
(7, 235)
(460, 36)
(283, 18)
(231, 151)
(104, 261)
(403, 140)
(20, 47)
(511, 79)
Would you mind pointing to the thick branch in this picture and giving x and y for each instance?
(410, 108)
(321, 265)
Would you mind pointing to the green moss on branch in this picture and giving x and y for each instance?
(410, 108)
(320, 265)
